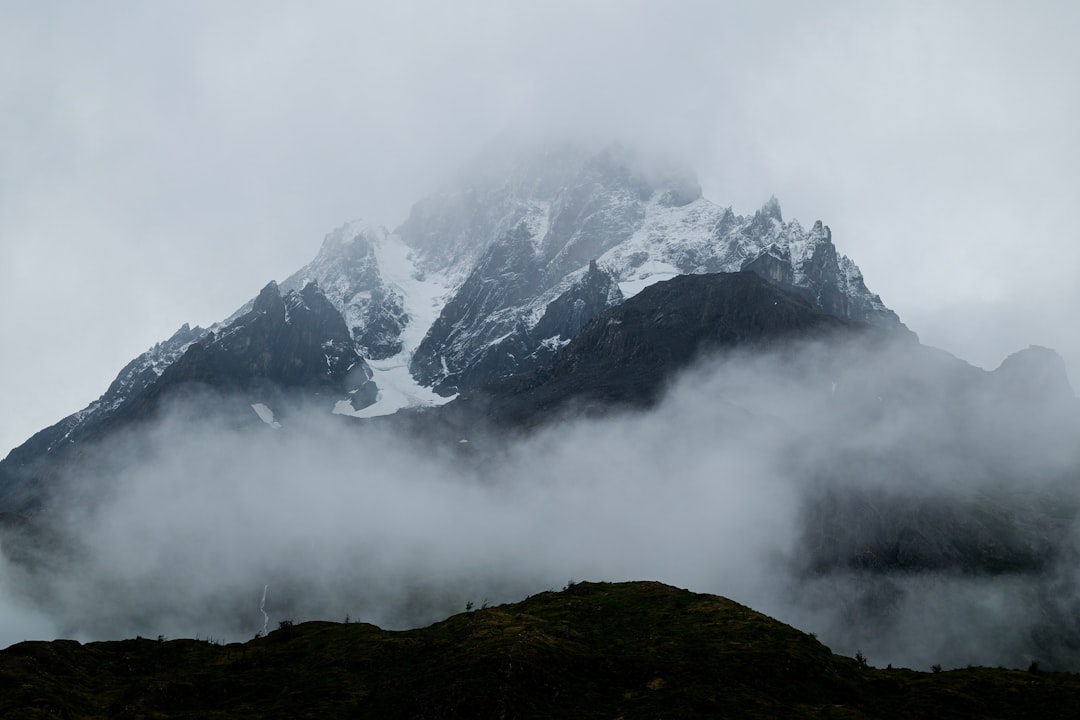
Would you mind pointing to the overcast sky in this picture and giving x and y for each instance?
(160, 162)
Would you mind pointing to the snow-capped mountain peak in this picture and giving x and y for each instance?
(526, 243)
(489, 277)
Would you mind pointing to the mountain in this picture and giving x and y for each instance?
(485, 279)
(547, 290)
(593, 650)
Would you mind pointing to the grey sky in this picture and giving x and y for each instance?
(160, 162)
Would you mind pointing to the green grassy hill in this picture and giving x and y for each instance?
(593, 650)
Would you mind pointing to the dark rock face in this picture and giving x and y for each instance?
(625, 355)
(674, 320)
(774, 264)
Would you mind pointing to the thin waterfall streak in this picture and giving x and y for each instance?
(262, 609)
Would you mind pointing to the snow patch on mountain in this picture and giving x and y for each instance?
(537, 221)
(702, 237)
(266, 415)
(698, 237)
(424, 295)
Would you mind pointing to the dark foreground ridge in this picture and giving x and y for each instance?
(626, 650)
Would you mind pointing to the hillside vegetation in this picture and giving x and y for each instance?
(628, 650)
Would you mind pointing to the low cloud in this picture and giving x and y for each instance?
(182, 524)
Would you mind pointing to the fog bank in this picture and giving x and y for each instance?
(178, 528)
